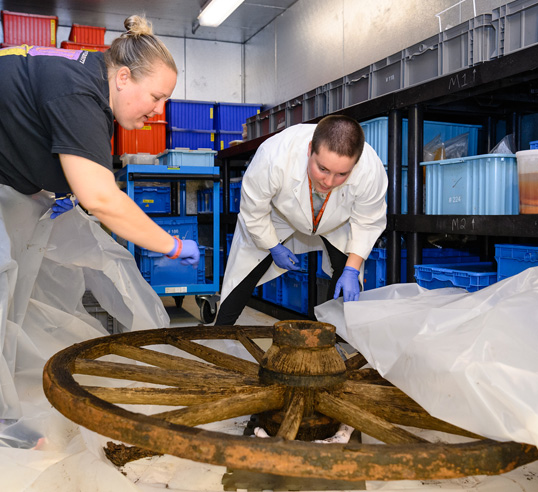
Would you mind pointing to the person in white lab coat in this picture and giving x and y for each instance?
(310, 187)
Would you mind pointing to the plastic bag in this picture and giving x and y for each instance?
(457, 147)
(506, 146)
(470, 359)
(434, 150)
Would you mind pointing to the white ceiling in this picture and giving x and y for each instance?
(169, 17)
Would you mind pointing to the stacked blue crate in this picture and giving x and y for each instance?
(229, 120)
(190, 124)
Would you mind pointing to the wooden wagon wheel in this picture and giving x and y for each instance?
(300, 379)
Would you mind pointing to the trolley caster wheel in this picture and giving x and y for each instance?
(179, 301)
(208, 313)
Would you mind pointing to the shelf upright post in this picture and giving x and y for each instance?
(415, 194)
(394, 191)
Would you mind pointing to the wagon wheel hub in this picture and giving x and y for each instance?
(298, 385)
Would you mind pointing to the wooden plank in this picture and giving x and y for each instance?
(215, 357)
(270, 398)
(364, 421)
(293, 416)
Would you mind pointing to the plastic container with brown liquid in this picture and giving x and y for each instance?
(527, 169)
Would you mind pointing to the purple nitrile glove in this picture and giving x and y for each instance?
(349, 284)
(63, 205)
(284, 258)
(190, 254)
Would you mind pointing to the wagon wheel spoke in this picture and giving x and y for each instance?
(266, 399)
(370, 375)
(364, 421)
(215, 357)
(292, 417)
(157, 375)
(393, 405)
(253, 349)
(169, 396)
(356, 362)
(166, 361)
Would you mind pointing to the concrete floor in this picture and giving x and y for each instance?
(189, 314)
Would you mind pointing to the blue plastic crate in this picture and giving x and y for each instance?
(231, 117)
(533, 145)
(235, 196)
(185, 157)
(295, 291)
(153, 199)
(376, 132)
(513, 259)
(158, 270)
(470, 276)
(479, 185)
(193, 115)
(182, 138)
(184, 227)
(223, 139)
(205, 200)
(272, 291)
(375, 266)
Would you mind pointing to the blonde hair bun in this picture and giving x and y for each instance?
(137, 25)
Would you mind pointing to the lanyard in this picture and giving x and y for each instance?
(316, 220)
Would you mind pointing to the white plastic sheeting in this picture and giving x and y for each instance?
(43, 451)
(468, 358)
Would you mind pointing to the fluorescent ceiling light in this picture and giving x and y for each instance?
(215, 12)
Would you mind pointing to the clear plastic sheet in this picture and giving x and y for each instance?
(468, 358)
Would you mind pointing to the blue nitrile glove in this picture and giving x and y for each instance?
(349, 283)
(284, 258)
(190, 254)
(63, 205)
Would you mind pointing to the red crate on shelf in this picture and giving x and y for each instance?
(87, 34)
(38, 30)
(151, 139)
(68, 45)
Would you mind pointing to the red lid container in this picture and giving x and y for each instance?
(38, 30)
(87, 34)
(68, 45)
(151, 139)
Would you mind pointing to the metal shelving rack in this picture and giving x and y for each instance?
(205, 293)
(500, 89)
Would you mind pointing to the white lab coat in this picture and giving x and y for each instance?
(275, 207)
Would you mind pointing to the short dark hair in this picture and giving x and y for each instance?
(340, 134)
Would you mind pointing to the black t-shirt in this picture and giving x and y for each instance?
(52, 101)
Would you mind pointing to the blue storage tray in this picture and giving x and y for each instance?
(470, 276)
(193, 115)
(184, 138)
(158, 270)
(376, 132)
(479, 185)
(235, 196)
(375, 266)
(229, 239)
(153, 199)
(223, 139)
(205, 200)
(185, 157)
(184, 227)
(295, 291)
(513, 259)
(231, 117)
(272, 291)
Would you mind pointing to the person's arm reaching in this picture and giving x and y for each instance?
(97, 191)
